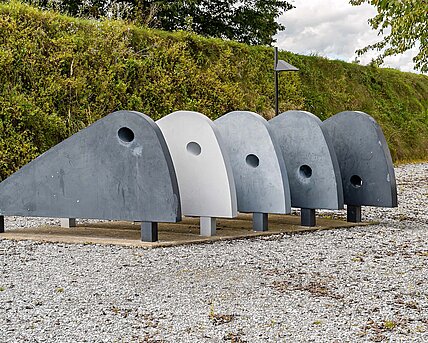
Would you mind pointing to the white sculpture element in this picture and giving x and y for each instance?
(202, 165)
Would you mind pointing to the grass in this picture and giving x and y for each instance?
(389, 324)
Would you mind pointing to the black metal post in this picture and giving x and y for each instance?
(276, 82)
(149, 232)
(1, 224)
(307, 217)
(353, 214)
(260, 221)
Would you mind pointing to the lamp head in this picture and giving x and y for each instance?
(284, 66)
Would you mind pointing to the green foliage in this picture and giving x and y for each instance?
(405, 24)
(251, 22)
(59, 74)
(389, 324)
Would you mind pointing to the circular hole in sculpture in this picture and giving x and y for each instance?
(305, 171)
(194, 148)
(125, 135)
(356, 181)
(252, 160)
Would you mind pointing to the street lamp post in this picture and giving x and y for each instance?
(279, 66)
(307, 215)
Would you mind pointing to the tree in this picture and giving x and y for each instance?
(405, 25)
(251, 22)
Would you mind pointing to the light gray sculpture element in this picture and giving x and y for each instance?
(204, 173)
(311, 162)
(365, 162)
(258, 166)
(118, 168)
(68, 222)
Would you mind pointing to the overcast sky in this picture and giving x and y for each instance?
(333, 29)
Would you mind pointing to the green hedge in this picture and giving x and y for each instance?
(59, 74)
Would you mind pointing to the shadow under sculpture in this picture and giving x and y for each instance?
(118, 168)
(312, 167)
(258, 166)
(204, 173)
(365, 162)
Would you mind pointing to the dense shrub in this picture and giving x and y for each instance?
(59, 74)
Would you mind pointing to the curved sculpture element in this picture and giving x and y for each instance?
(365, 160)
(202, 165)
(117, 168)
(258, 166)
(311, 162)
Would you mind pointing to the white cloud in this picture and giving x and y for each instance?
(334, 29)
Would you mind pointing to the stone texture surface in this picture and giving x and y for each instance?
(258, 166)
(202, 165)
(364, 159)
(312, 168)
(117, 168)
(346, 285)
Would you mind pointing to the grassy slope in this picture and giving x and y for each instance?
(59, 74)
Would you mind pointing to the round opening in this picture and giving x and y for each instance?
(194, 148)
(125, 135)
(252, 160)
(305, 171)
(356, 181)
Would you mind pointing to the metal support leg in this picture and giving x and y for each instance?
(149, 232)
(68, 222)
(307, 217)
(1, 224)
(353, 214)
(208, 226)
(260, 221)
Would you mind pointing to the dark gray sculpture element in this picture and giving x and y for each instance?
(312, 167)
(258, 166)
(118, 168)
(365, 162)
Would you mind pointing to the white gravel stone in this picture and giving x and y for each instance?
(345, 285)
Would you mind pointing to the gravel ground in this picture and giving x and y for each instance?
(345, 285)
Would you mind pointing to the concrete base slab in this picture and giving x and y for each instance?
(185, 232)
